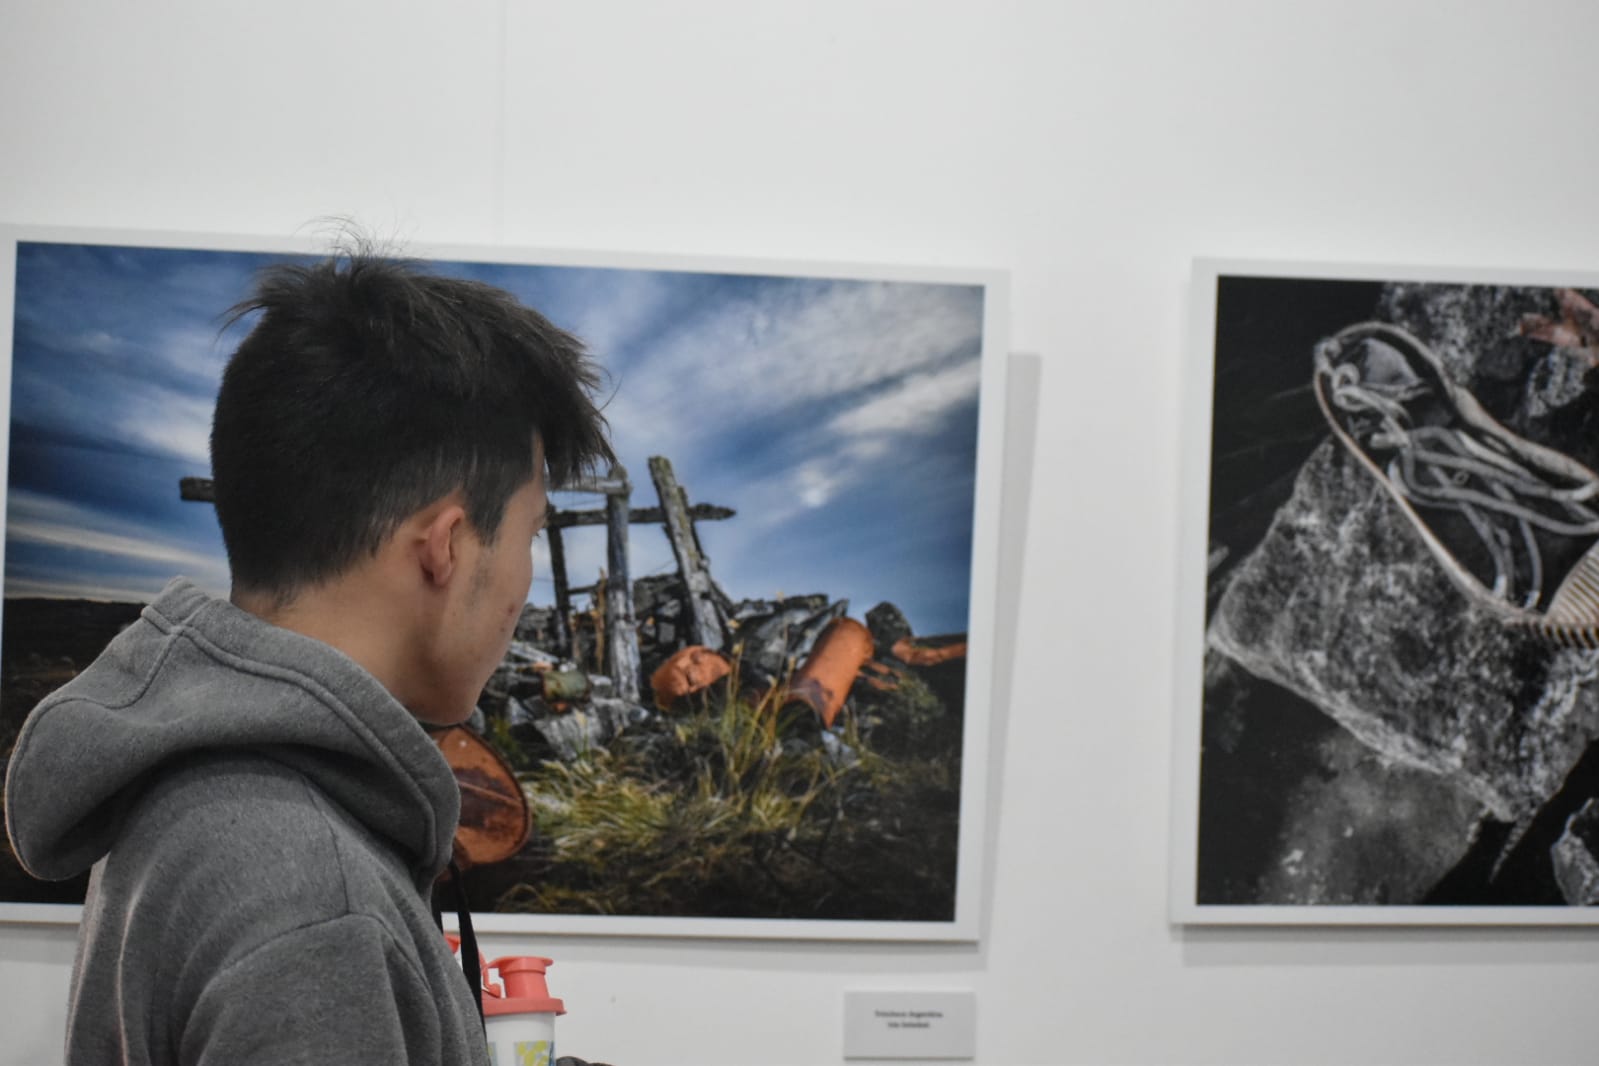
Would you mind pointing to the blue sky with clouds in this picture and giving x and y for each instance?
(838, 417)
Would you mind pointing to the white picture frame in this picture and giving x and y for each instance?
(1310, 785)
(963, 381)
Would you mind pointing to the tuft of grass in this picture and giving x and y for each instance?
(723, 810)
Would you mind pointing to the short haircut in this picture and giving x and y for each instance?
(370, 388)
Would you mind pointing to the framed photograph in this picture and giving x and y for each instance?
(748, 694)
(1388, 688)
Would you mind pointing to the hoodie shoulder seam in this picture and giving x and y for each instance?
(31, 724)
(279, 938)
(169, 642)
(320, 802)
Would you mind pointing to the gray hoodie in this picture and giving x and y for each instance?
(265, 823)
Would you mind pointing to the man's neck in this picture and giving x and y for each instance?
(347, 617)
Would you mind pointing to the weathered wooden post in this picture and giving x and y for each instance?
(197, 489)
(705, 626)
(563, 597)
(621, 633)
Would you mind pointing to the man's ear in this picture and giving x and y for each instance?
(439, 547)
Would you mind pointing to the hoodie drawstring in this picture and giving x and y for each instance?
(470, 960)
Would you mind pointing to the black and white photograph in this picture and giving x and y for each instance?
(1395, 689)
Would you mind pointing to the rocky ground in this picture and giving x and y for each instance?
(871, 826)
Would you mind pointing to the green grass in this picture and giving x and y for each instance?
(735, 808)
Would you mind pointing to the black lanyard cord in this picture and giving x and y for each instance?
(470, 962)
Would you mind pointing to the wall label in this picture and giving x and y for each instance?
(908, 1024)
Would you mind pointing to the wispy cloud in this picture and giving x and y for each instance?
(120, 589)
(194, 350)
(633, 303)
(171, 423)
(39, 521)
(98, 342)
(915, 404)
(156, 391)
(831, 374)
(869, 440)
(791, 344)
(142, 549)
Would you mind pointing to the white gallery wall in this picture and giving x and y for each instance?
(1092, 150)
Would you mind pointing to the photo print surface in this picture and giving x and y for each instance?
(1399, 692)
(769, 733)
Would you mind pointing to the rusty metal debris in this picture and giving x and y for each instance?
(880, 677)
(824, 681)
(495, 820)
(689, 670)
(910, 652)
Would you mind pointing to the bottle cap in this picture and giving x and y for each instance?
(522, 988)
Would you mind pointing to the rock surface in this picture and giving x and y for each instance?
(1576, 857)
(1343, 604)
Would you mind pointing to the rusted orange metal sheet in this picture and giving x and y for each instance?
(882, 678)
(914, 654)
(689, 670)
(495, 820)
(824, 681)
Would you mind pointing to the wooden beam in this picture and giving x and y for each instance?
(610, 485)
(201, 490)
(705, 625)
(700, 512)
(198, 489)
(621, 634)
(563, 595)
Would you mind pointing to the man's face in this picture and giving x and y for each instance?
(489, 603)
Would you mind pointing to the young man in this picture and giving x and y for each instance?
(251, 779)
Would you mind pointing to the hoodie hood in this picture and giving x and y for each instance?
(196, 674)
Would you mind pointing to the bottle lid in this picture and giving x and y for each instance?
(521, 989)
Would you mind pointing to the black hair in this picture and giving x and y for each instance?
(370, 388)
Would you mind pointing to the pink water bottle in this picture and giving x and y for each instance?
(518, 1011)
